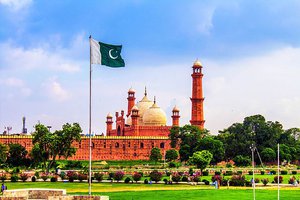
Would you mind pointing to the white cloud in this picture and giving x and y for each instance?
(20, 87)
(16, 5)
(55, 91)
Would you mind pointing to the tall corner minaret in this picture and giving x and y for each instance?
(131, 100)
(197, 118)
(175, 116)
(109, 123)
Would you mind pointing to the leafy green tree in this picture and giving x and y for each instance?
(36, 155)
(214, 146)
(172, 154)
(268, 155)
(284, 153)
(3, 153)
(155, 154)
(201, 159)
(58, 144)
(188, 137)
(242, 161)
(17, 155)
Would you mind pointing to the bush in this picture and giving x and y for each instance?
(256, 180)
(24, 177)
(98, 176)
(172, 164)
(176, 177)
(82, 177)
(276, 179)
(228, 173)
(273, 172)
(62, 175)
(237, 180)
(37, 174)
(292, 180)
(262, 172)
(168, 173)
(53, 179)
(196, 179)
(44, 177)
(136, 176)
(191, 171)
(294, 172)
(265, 181)
(3, 177)
(184, 179)
(73, 164)
(206, 182)
(217, 173)
(33, 179)
(14, 178)
(250, 172)
(284, 172)
(228, 165)
(217, 178)
(72, 175)
(118, 175)
(165, 180)
(146, 181)
(239, 172)
(155, 176)
(127, 180)
(110, 175)
(205, 173)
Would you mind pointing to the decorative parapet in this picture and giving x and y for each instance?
(128, 137)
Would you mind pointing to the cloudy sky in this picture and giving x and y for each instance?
(250, 51)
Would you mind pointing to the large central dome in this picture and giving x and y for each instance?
(155, 116)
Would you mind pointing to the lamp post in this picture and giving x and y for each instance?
(252, 147)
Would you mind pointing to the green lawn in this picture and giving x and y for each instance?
(123, 191)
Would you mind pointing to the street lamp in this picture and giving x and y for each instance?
(252, 147)
(49, 127)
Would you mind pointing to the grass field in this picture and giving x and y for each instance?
(120, 191)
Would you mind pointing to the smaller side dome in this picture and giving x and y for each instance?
(131, 90)
(135, 108)
(175, 109)
(197, 63)
(109, 115)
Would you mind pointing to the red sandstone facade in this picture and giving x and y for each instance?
(133, 136)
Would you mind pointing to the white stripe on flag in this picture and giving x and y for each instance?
(95, 52)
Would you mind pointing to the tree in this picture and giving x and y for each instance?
(214, 146)
(3, 153)
(188, 137)
(268, 155)
(155, 154)
(242, 161)
(172, 154)
(201, 159)
(36, 155)
(17, 155)
(58, 144)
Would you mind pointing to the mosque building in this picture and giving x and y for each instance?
(132, 136)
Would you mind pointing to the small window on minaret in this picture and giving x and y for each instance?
(142, 145)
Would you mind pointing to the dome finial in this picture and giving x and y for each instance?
(197, 63)
(145, 91)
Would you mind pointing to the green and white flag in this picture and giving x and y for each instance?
(106, 54)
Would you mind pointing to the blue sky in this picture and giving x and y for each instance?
(249, 51)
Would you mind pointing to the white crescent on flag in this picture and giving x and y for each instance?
(112, 57)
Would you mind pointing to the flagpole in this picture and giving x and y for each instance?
(90, 123)
(278, 162)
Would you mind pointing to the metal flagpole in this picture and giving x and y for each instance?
(278, 172)
(253, 180)
(90, 123)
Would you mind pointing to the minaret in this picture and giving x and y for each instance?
(109, 123)
(197, 96)
(131, 99)
(175, 116)
(134, 120)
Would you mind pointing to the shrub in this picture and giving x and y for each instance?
(228, 165)
(237, 180)
(176, 177)
(127, 180)
(110, 175)
(14, 178)
(205, 173)
(62, 175)
(294, 172)
(273, 172)
(3, 177)
(73, 164)
(33, 179)
(191, 171)
(284, 172)
(239, 172)
(53, 179)
(217, 173)
(155, 176)
(276, 179)
(146, 181)
(172, 164)
(184, 179)
(24, 177)
(82, 177)
(262, 172)
(98, 176)
(118, 176)
(250, 172)
(165, 180)
(16, 170)
(196, 179)
(168, 173)
(265, 181)
(256, 180)
(37, 174)
(136, 176)
(217, 178)
(228, 173)
(292, 180)
(44, 177)
(206, 182)
(72, 175)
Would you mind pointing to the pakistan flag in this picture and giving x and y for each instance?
(106, 54)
